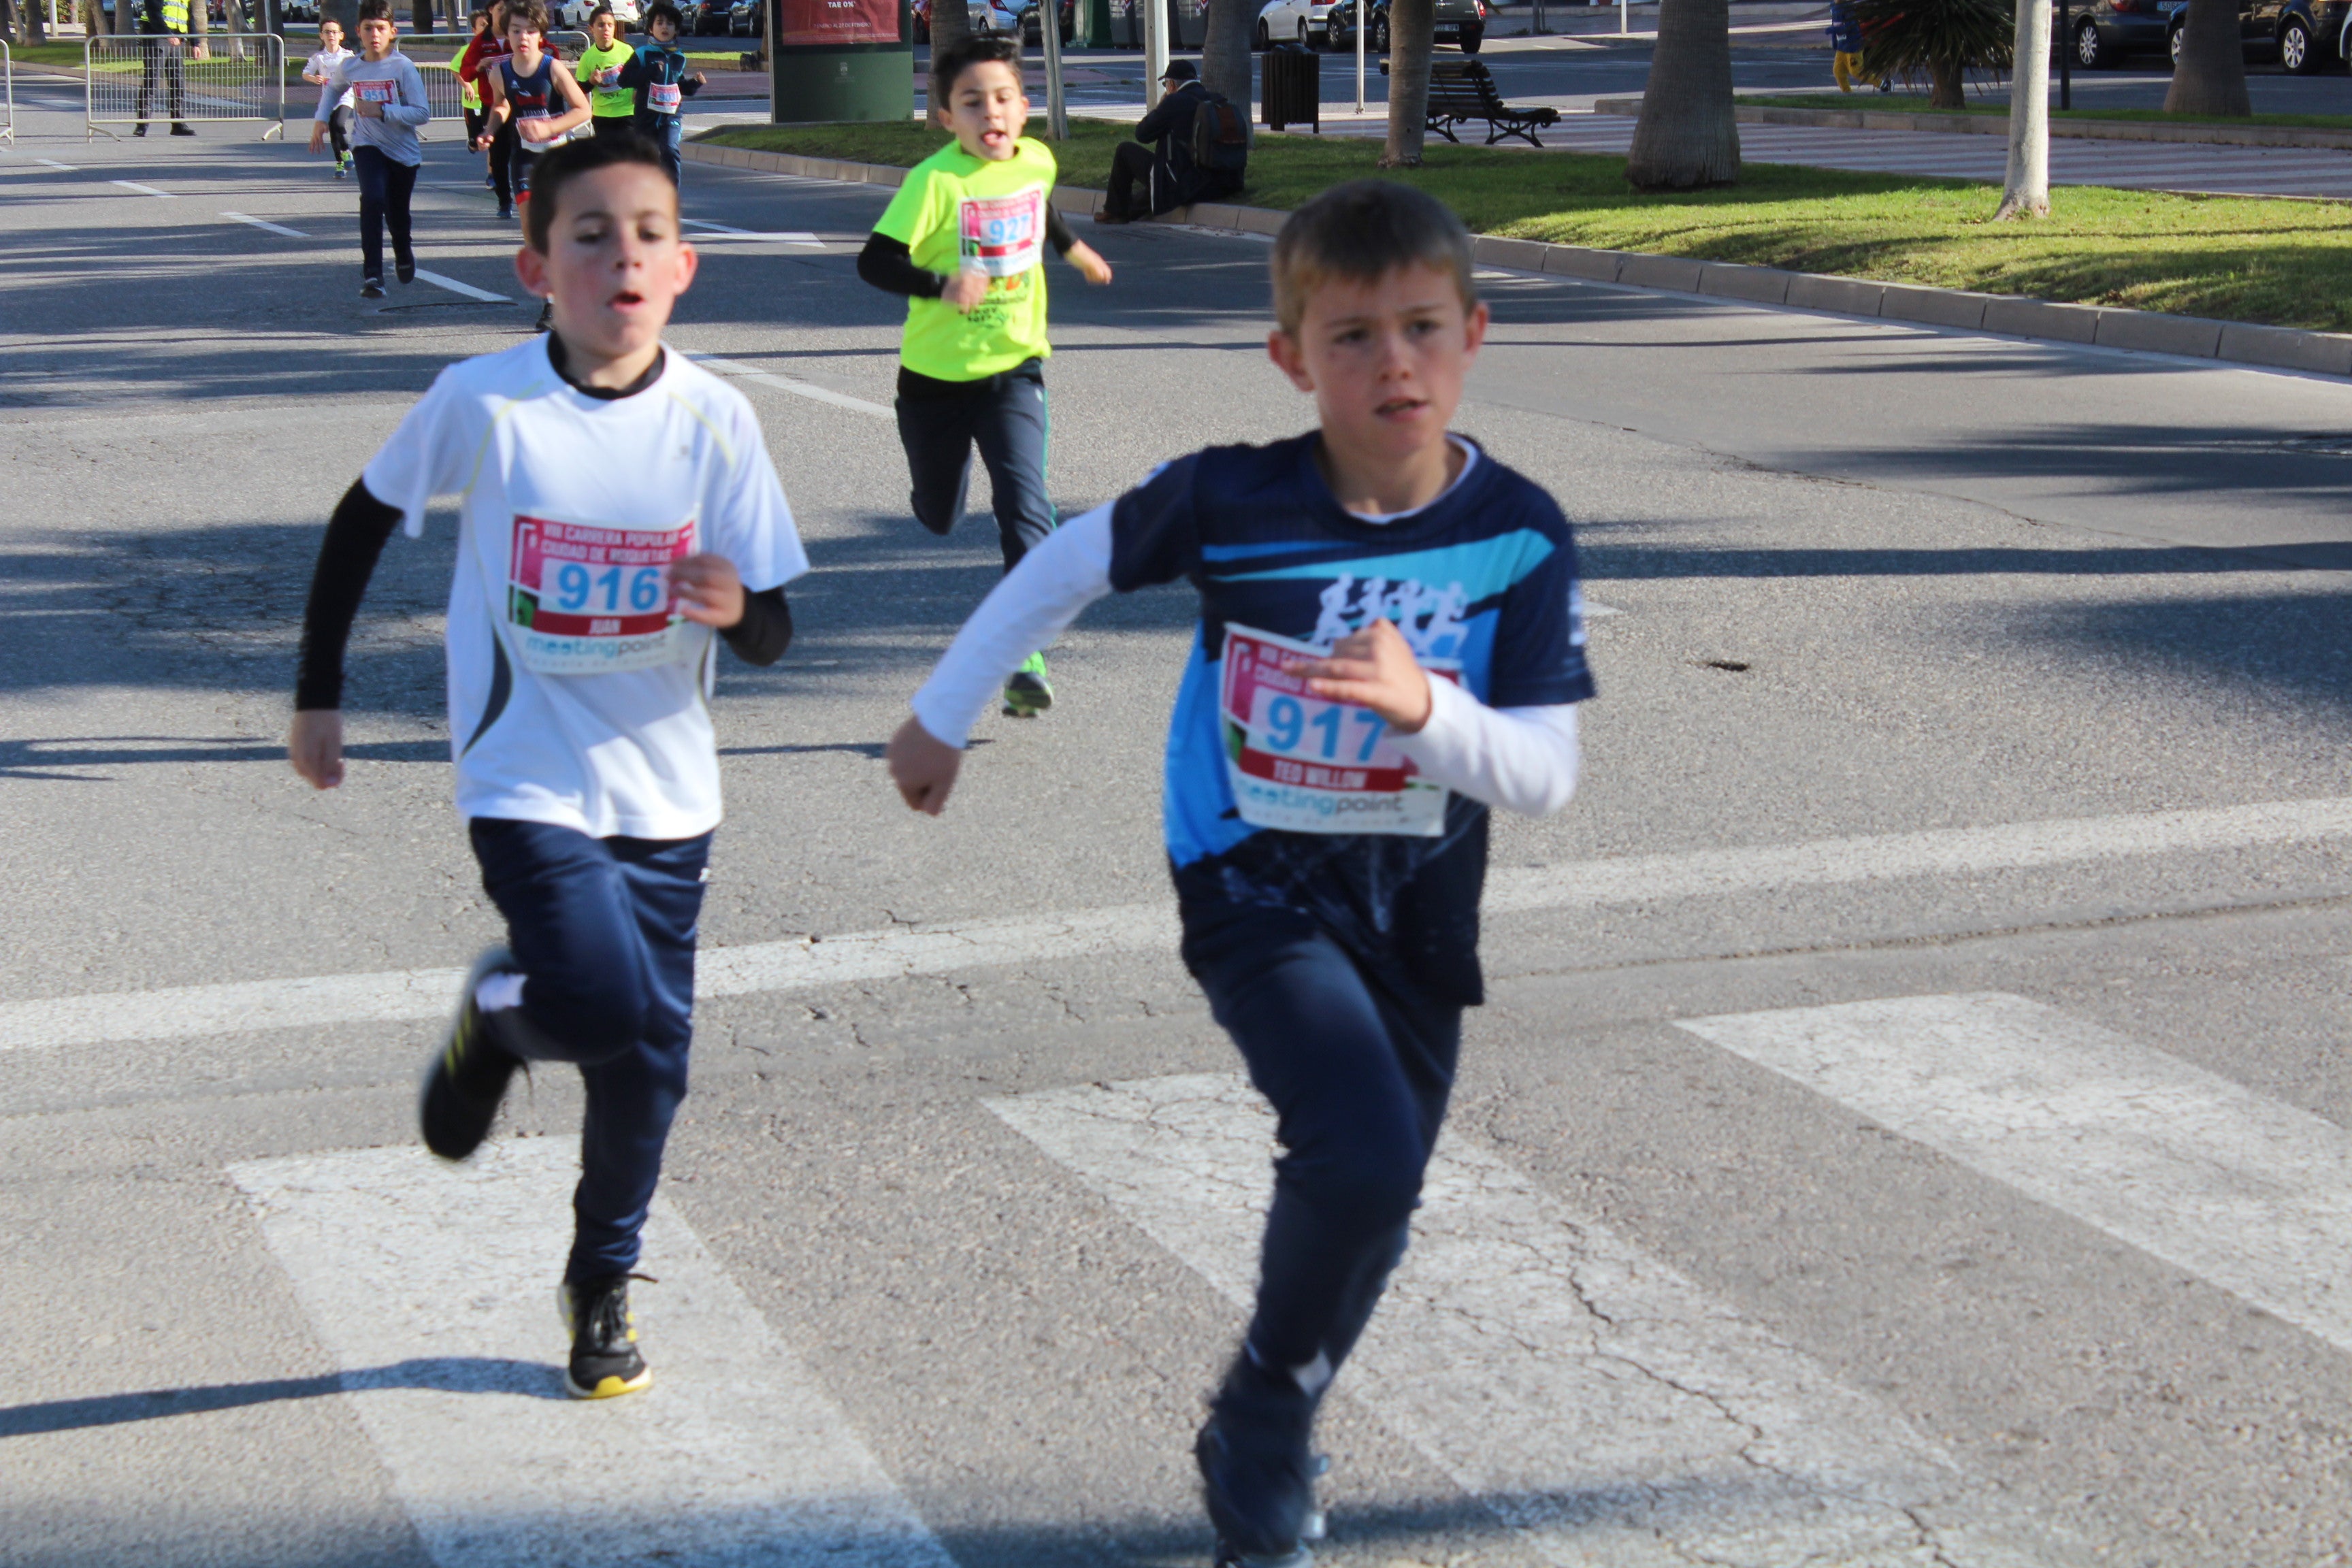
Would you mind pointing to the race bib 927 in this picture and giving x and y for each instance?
(1002, 237)
(586, 600)
(1304, 764)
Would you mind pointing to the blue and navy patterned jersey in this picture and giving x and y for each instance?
(1482, 581)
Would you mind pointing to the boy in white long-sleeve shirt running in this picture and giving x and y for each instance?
(388, 97)
(1390, 642)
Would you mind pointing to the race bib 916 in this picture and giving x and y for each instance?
(587, 600)
(664, 97)
(1304, 764)
(1002, 237)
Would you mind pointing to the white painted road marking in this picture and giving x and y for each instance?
(728, 231)
(265, 223)
(433, 1287)
(797, 388)
(142, 190)
(2253, 1194)
(1589, 1397)
(451, 284)
(52, 163)
(387, 996)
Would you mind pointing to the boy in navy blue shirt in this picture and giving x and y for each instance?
(1390, 642)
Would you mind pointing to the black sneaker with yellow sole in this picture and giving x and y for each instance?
(605, 1359)
(468, 1076)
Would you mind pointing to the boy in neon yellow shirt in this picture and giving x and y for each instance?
(612, 108)
(964, 240)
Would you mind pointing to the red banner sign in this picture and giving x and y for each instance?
(838, 22)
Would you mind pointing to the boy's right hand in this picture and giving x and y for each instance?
(923, 766)
(315, 746)
(965, 289)
(318, 136)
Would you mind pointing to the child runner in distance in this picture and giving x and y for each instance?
(618, 516)
(318, 71)
(964, 240)
(612, 108)
(532, 91)
(470, 91)
(1391, 643)
(658, 77)
(486, 45)
(388, 99)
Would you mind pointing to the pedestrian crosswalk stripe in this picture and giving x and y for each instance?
(1595, 1401)
(402, 995)
(2253, 1194)
(433, 1288)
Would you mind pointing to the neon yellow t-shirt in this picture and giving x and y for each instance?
(607, 101)
(956, 213)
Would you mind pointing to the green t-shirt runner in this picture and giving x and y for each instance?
(604, 102)
(957, 213)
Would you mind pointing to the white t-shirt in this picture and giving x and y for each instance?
(323, 64)
(575, 697)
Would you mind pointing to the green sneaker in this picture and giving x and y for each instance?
(1026, 695)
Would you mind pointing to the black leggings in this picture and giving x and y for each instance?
(385, 189)
(502, 152)
(339, 133)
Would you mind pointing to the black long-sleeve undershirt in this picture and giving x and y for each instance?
(347, 558)
(890, 267)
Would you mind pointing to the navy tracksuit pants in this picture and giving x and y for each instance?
(1358, 1069)
(940, 422)
(603, 929)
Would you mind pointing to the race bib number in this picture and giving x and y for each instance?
(1306, 764)
(664, 97)
(585, 600)
(1001, 235)
(377, 92)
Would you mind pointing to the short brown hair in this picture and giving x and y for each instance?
(1362, 231)
(531, 14)
(376, 11)
(555, 170)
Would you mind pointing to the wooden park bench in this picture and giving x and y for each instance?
(1463, 91)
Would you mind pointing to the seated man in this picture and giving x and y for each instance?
(1162, 155)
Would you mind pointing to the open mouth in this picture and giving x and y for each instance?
(1400, 407)
(627, 299)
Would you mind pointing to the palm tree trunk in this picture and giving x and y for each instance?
(1686, 136)
(1411, 26)
(2211, 78)
(2025, 193)
(1226, 52)
(1946, 87)
(951, 24)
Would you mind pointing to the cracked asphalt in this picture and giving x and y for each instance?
(1866, 579)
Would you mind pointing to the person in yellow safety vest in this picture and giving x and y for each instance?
(164, 55)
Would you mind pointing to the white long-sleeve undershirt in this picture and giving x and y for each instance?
(1522, 758)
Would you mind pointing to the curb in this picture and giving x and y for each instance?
(2008, 315)
(1998, 125)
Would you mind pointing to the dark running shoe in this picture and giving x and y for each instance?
(1026, 695)
(546, 317)
(404, 268)
(605, 1360)
(506, 211)
(140, 129)
(179, 130)
(1258, 1477)
(468, 1077)
(371, 288)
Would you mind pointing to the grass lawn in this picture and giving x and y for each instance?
(2239, 259)
(1917, 103)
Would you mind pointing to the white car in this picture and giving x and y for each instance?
(1319, 21)
(989, 16)
(1286, 22)
(574, 14)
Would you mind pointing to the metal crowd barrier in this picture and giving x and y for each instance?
(8, 81)
(442, 90)
(128, 80)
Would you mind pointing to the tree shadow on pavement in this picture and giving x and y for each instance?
(448, 1374)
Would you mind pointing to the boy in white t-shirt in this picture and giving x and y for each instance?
(319, 70)
(616, 508)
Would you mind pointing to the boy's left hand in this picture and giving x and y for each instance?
(1089, 263)
(1373, 668)
(700, 80)
(367, 109)
(708, 592)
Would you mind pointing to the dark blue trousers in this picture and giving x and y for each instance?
(666, 132)
(940, 422)
(1358, 1070)
(385, 187)
(603, 929)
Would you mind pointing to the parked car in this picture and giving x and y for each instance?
(1462, 23)
(1029, 34)
(2102, 32)
(1285, 22)
(298, 10)
(574, 14)
(2303, 36)
(748, 18)
(706, 17)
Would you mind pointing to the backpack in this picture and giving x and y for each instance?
(1220, 137)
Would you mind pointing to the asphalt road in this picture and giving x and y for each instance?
(1909, 1124)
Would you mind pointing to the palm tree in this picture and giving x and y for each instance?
(951, 24)
(1225, 51)
(1945, 38)
(1686, 136)
(2025, 193)
(2210, 77)
(1413, 28)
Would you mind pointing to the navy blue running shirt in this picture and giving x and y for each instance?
(1483, 584)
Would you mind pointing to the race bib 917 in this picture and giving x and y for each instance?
(664, 97)
(1304, 764)
(1002, 237)
(588, 600)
